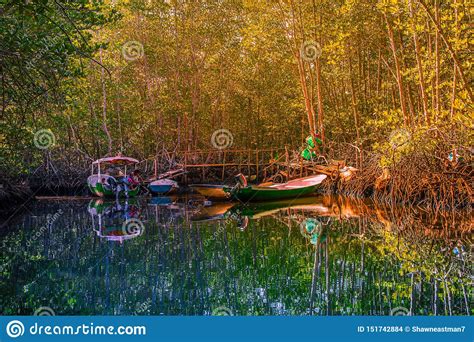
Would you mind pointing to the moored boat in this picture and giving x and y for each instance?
(163, 186)
(293, 189)
(104, 185)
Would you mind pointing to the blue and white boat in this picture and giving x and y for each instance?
(163, 186)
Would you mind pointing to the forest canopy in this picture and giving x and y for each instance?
(140, 76)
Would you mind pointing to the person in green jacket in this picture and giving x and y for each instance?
(309, 152)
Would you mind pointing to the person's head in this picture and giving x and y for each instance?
(136, 172)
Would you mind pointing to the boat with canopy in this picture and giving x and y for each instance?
(102, 184)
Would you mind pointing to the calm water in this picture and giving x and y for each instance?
(180, 256)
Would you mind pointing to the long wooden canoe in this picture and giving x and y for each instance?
(296, 188)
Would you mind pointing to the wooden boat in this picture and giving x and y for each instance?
(293, 189)
(104, 185)
(163, 186)
(211, 191)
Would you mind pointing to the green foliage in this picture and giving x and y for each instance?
(42, 45)
(202, 66)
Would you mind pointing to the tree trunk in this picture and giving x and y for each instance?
(437, 97)
(450, 48)
(401, 91)
(419, 63)
(354, 107)
(320, 101)
(453, 93)
(104, 106)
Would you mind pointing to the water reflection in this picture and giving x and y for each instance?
(182, 256)
(115, 221)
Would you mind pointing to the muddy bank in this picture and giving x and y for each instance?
(16, 193)
(409, 182)
(426, 168)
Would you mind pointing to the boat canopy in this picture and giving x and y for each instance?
(117, 160)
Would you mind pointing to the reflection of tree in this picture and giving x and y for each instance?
(360, 267)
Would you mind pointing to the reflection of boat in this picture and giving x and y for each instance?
(213, 212)
(262, 209)
(292, 189)
(212, 191)
(168, 209)
(104, 185)
(161, 201)
(117, 233)
(163, 186)
(256, 210)
(115, 221)
(318, 206)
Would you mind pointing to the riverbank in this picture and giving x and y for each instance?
(426, 168)
(419, 168)
(447, 186)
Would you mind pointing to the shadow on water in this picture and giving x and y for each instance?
(182, 256)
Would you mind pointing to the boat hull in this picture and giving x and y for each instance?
(292, 189)
(255, 193)
(162, 187)
(103, 191)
